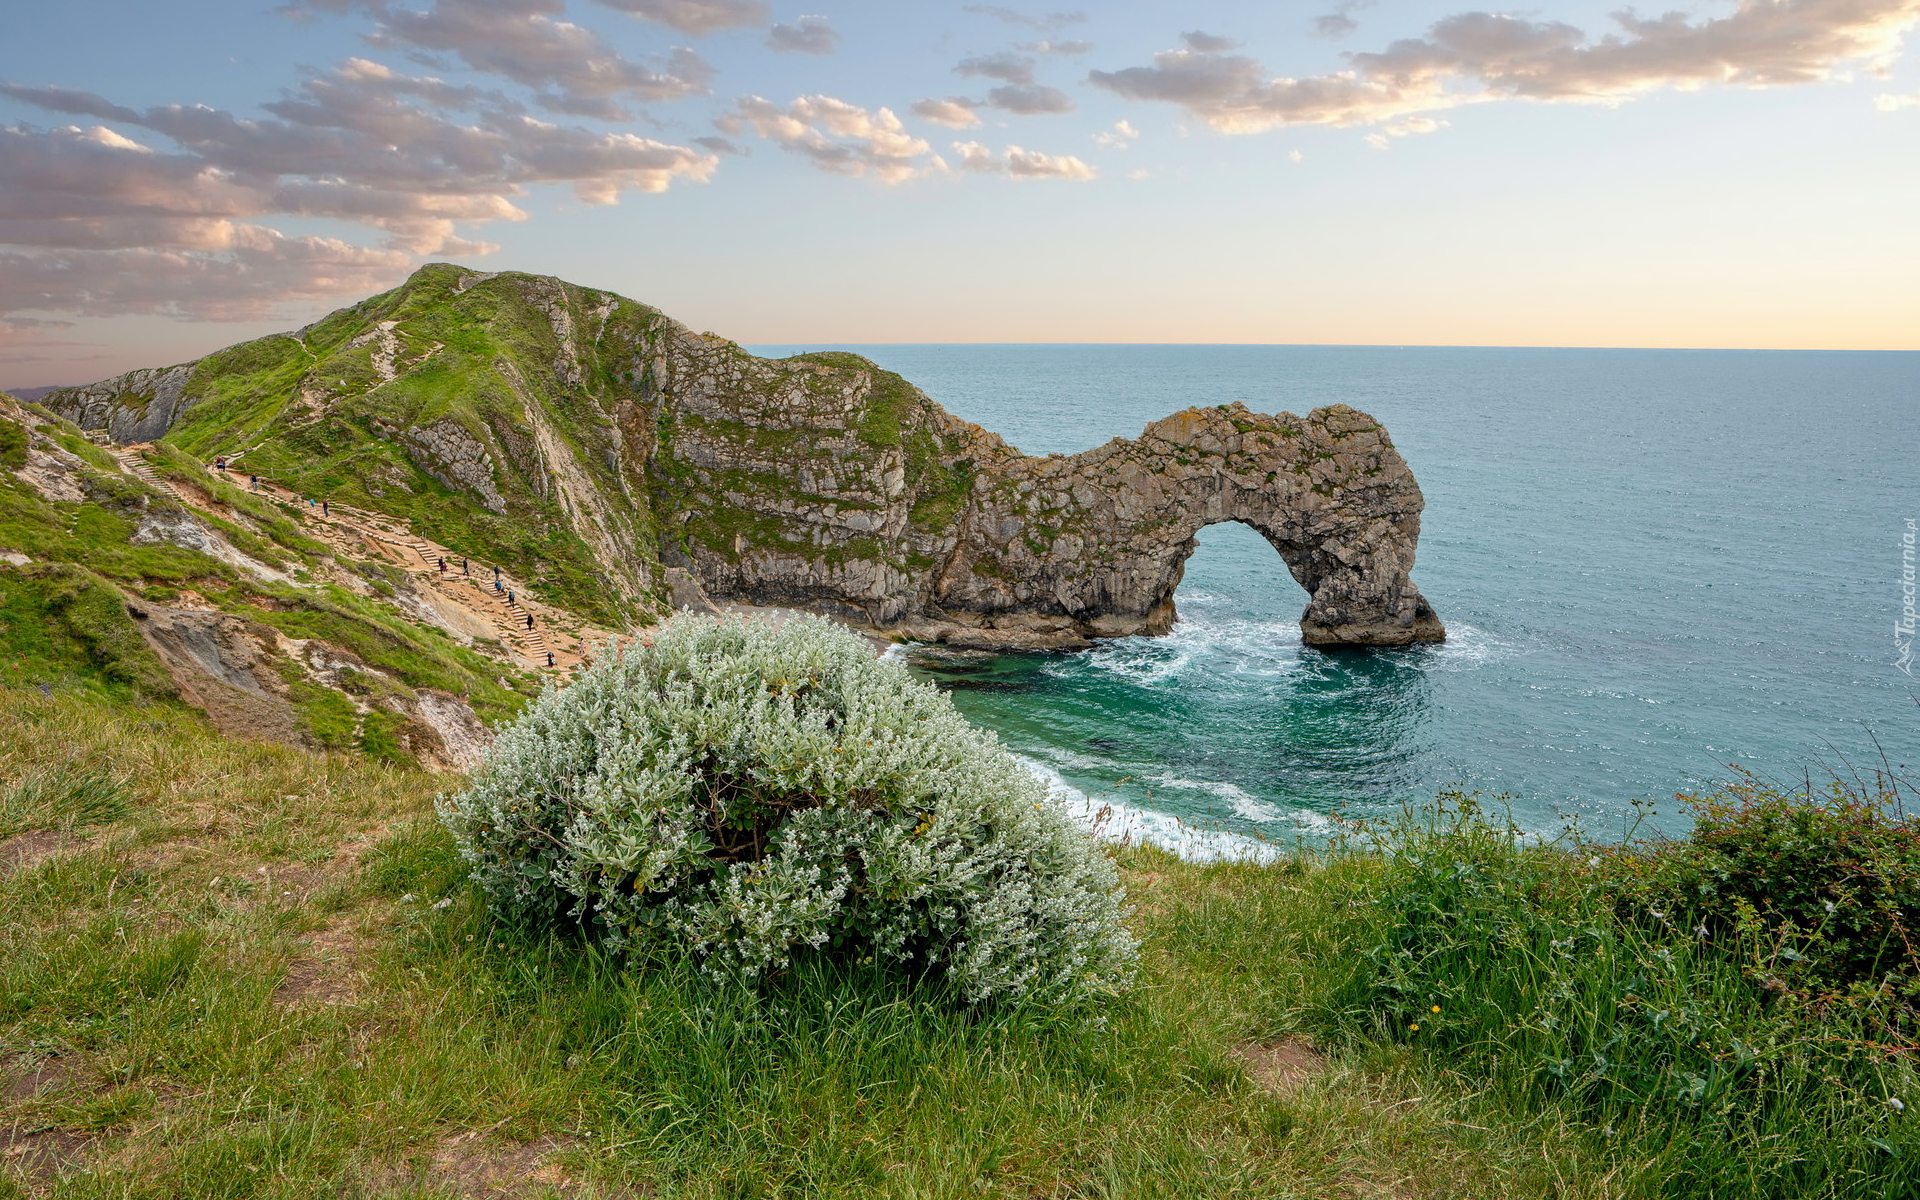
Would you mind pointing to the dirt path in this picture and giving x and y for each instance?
(532, 633)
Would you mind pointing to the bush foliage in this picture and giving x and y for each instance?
(1641, 987)
(750, 791)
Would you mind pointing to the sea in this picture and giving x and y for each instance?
(1657, 569)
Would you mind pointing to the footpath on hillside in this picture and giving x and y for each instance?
(535, 635)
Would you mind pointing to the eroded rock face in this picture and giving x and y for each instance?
(952, 535)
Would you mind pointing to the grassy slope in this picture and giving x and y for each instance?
(449, 345)
(63, 621)
(204, 1027)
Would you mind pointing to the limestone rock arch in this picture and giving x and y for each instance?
(1061, 549)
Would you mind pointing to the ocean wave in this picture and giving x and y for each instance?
(1113, 821)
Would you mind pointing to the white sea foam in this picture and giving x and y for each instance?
(1116, 822)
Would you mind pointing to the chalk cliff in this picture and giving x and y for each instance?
(623, 463)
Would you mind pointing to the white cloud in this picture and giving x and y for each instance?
(834, 135)
(1207, 43)
(955, 112)
(87, 211)
(808, 35)
(696, 17)
(1029, 101)
(572, 68)
(1479, 56)
(1047, 23)
(1889, 102)
(1118, 138)
(1020, 93)
(1294, 156)
(1005, 65)
(1020, 163)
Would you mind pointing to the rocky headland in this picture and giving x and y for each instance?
(623, 464)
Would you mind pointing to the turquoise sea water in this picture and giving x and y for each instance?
(1652, 564)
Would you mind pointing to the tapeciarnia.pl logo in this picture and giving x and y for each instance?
(1903, 627)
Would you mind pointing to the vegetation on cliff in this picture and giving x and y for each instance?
(236, 969)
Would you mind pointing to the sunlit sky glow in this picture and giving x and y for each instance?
(1739, 173)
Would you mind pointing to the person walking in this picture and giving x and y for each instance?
(497, 587)
(463, 567)
(323, 509)
(443, 566)
(549, 658)
(509, 596)
(529, 620)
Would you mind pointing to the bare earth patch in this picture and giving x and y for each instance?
(25, 851)
(40, 1155)
(27, 1076)
(468, 1166)
(1283, 1067)
(328, 973)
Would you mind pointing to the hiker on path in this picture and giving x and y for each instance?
(497, 587)
(323, 509)
(509, 596)
(443, 566)
(549, 658)
(529, 620)
(463, 567)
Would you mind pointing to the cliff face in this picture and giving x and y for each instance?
(602, 450)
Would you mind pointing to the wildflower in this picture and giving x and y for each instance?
(1436, 1008)
(1893, 1102)
(1415, 1027)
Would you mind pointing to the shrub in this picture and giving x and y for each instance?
(1518, 962)
(1825, 884)
(748, 791)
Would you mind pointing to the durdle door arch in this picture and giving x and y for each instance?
(1058, 550)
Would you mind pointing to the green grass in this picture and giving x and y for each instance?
(146, 973)
(257, 972)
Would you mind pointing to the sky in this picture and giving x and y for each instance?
(1734, 173)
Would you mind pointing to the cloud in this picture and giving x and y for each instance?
(1207, 43)
(1476, 57)
(955, 112)
(84, 212)
(1339, 23)
(1030, 101)
(1048, 23)
(572, 68)
(809, 35)
(1118, 138)
(1381, 138)
(696, 17)
(1020, 94)
(1890, 102)
(834, 135)
(1005, 65)
(1056, 47)
(263, 270)
(1020, 164)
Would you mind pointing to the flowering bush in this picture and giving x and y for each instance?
(747, 790)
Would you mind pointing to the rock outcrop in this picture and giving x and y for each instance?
(631, 465)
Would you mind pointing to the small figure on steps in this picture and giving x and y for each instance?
(529, 620)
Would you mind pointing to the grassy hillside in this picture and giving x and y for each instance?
(229, 969)
(79, 569)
